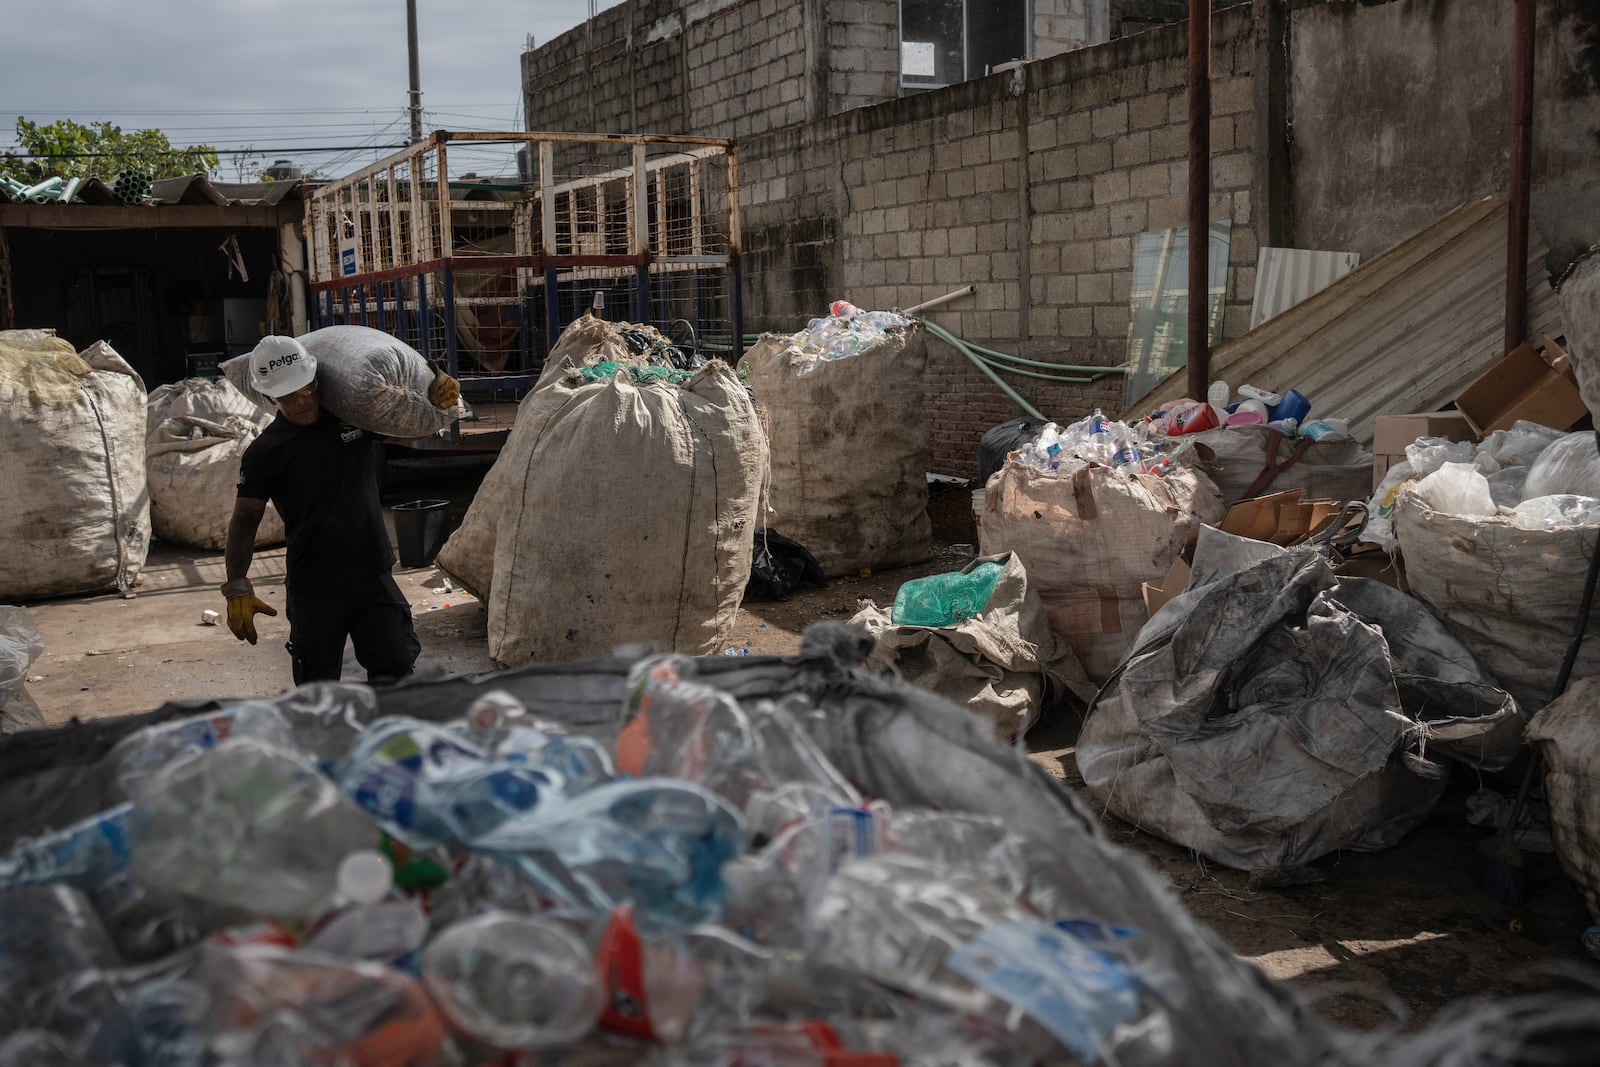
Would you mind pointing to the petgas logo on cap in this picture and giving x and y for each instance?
(281, 361)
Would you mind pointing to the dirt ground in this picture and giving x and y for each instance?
(1388, 938)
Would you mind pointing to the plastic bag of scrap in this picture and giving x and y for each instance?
(1001, 661)
(1457, 489)
(779, 566)
(368, 378)
(20, 645)
(1569, 466)
(1275, 712)
(1556, 512)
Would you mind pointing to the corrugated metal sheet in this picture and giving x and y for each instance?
(1403, 332)
(190, 189)
(1287, 276)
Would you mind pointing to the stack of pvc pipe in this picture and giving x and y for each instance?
(131, 186)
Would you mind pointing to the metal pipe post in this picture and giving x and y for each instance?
(1198, 340)
(1521, 155)
(416, 77)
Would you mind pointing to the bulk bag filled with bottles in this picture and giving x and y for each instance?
(468, 555)
(849, 445)
(630, 521)
(197, 431)
(1090, 540)
(366, 377)
(76, 517)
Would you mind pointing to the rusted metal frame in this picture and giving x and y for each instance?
(1522, 55)
(547, 207)
(639, 244)
(1198, 346)
(735, 245)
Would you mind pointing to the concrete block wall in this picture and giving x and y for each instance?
(1067, 25)
(746, 69)
(1031, 185)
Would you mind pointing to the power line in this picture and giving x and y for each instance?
(219, 151)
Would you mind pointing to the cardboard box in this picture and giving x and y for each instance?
(1523, 385)
(1392, 433)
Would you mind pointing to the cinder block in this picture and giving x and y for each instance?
(1147, 111)
(1113, 254)
(1111, 187)
(1109, 121)
(1094, 288)
(1111, 320)
(963, 240)
(1149, 181)
(1094, 158)
(1129, 217)
(1131, 150)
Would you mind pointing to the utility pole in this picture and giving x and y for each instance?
(416, 77)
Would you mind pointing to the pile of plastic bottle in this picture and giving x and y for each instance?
(846, 330)
(304, 882)
(1095, 439)
(1286, 412)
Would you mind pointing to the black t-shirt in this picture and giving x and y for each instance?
(323, 479)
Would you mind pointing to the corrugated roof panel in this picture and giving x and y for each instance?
(1406, 331)
(1287, 276)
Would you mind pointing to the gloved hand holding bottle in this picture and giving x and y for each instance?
(243, 607)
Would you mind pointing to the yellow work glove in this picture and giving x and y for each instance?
(445, 392)
(243, 607)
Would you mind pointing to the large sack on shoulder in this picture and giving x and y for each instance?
(1511, 595)
(367, 378)
(1090, 540)
(197, 431)
(1001, 664)
(1326, 469)
(849, 449)
(630, 521)
(76, 515)
(1567, 734)
(1274, 712)
(468, 556)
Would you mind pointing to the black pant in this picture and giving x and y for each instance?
(372, 612)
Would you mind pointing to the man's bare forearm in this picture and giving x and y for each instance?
(241, 545)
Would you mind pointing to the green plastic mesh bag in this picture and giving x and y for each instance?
(945, 599)
(642, 375)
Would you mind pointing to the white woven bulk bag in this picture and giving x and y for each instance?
(849, 449)
(76, 517)
(631, 520)
(197, 431)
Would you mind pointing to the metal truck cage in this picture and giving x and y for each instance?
(479, 248)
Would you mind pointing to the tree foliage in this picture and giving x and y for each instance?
(102, 150)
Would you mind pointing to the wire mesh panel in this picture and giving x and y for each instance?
(479, 248)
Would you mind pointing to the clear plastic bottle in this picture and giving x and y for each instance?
(658, 844)
(1099, 444)
(514, 982)
(428, 785)
(1126, 460)
(247, 826)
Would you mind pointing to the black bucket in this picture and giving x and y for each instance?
(420, 529)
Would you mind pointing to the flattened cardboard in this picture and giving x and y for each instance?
(1158, 593)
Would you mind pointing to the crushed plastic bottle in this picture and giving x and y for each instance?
(514, 982)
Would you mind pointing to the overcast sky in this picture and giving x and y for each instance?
(281, 76)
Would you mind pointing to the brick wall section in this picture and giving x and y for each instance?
(1031, 184)
(746, 69)
(928, 195)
